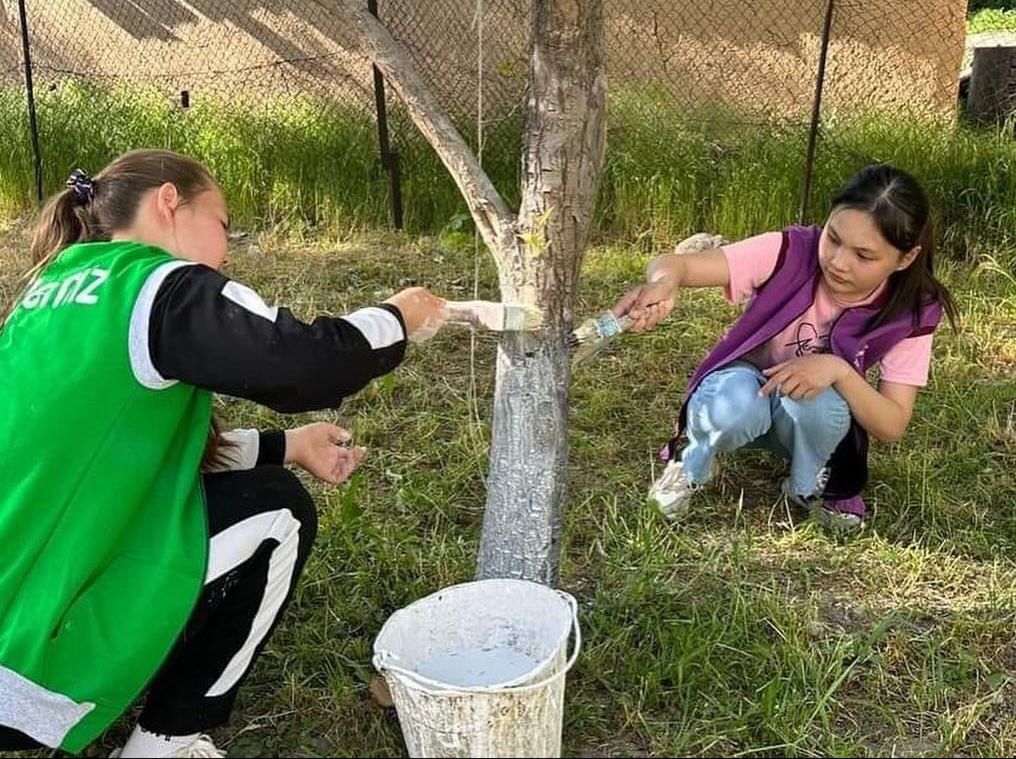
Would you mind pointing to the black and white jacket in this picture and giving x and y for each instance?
(207, 330)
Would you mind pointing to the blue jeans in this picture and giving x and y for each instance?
(726, 413)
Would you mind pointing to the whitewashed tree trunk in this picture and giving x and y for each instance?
(565, 138)
(538, 255)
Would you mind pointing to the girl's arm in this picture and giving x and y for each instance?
(320, 448)
(651, 303)
(208, 331)
(886, 412)
(707, 268)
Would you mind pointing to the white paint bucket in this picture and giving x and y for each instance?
(478, 669)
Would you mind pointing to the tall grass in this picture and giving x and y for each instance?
(288, 163)
(992, 20)
(296, 164)
(669, 172)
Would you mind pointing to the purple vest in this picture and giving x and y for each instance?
(784, 297)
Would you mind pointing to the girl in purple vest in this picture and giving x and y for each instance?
(824, 306)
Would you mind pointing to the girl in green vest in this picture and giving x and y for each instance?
(139, 553)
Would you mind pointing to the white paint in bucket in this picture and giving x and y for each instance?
(478, 666)
(478, 669)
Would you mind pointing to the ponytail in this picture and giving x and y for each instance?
(63, 221)
(93, 209)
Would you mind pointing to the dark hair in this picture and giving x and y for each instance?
(899, 206)
(92, 209)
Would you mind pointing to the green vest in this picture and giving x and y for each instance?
(103, 532)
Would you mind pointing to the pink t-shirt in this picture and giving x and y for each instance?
(751, 263)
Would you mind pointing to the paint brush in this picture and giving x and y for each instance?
(593, 334)
(497, 317)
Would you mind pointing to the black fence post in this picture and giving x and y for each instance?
(33, 125)
(389, 159)
(816, 112)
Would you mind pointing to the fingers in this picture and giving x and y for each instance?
(435, 316)
(336, 434)
(787, 383)
(774, 368)
(651, 296)
(663, 310)
(653, 306)
(339, 471)
(778, 375)
(327, 454)
(793, 387)
(346, 462)
(649, 317)
(422, 312)
(774, 382)
(628, 300)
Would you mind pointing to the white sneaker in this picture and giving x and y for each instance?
(201, 747)
(671, 493)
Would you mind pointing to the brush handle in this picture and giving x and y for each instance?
(603, 327)
(595, 333)
(460, 312)
(466, 312)
(611, 326)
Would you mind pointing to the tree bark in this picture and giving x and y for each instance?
(538, 256)
(493, 218)
(565, 141)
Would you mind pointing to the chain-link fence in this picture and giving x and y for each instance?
(285, 69)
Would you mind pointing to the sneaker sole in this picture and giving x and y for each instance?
(671, 512)
(836, 521)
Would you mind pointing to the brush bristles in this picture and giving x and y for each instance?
(582, 334)
(520, 317)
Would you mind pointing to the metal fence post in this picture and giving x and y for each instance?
(389, 159)
(33, 125)
(816, 112)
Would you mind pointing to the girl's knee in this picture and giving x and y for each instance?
(732, 404)
(828, 410)
(284, 488)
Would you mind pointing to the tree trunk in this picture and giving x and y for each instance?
(538, 255)
(566, 135)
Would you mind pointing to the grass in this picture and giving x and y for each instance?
(287, 164)
(992, 20)
(668, 172)
(303, 167)
(744, 631)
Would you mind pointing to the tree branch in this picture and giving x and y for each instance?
(493, 218)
